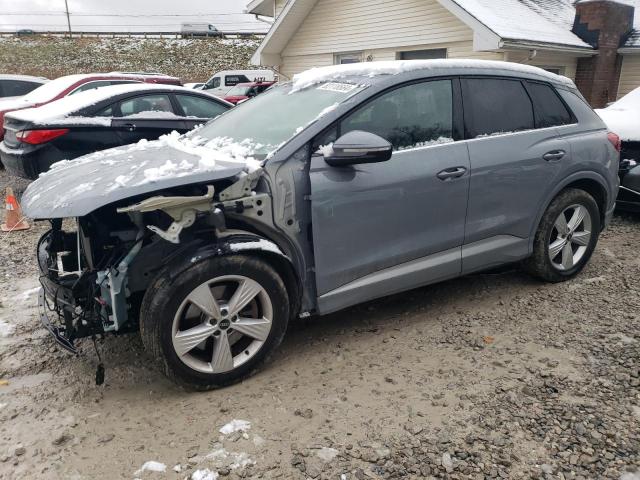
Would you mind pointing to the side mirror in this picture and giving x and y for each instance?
(359, 147)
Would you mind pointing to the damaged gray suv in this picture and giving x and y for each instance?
(347, 184)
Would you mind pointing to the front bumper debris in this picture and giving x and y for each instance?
(57, 332)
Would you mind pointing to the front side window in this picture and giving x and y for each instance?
(493, 106)
(550, 111)
(139, 106)
(273, 118)
(200, 107)
(412, 116)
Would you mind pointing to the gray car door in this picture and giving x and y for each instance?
(515, 159)
(386, 227)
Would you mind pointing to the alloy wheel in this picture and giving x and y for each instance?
(222, 324)
(570, 237)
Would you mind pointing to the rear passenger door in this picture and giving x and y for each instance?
(146, 116)
(516, 155)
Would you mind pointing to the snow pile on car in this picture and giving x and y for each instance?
(68, 107)
(395, 67)
(77, 187)
(623, 116)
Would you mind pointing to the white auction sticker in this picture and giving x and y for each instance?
(337, 87)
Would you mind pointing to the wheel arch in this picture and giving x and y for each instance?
(591, 182)
(243, 243)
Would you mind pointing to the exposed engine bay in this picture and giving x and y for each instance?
(95, 269)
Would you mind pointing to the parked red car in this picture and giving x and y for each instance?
(244, 91)
(70, 84)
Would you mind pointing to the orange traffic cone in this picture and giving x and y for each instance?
(14, 220)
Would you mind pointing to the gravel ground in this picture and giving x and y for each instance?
(488, 376)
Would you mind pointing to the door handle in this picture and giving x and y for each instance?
(451, 173)
(129, 127)
(554, 155)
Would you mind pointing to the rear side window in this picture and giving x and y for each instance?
(411, 116)
(200, 107)
(550, 111)
(493, 106)
(15, 88)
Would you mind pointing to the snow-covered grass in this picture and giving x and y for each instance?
(189, 59)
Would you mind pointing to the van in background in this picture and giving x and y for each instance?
(220, 83)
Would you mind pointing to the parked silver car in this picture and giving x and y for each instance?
(350, 183)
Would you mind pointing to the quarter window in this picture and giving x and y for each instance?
(493, 106)
(412, 116)
(550, 111)
(200, 107)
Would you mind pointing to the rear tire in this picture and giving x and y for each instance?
(213, 324)
(566, 237)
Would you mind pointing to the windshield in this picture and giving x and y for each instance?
(239, 91)
(272, 118)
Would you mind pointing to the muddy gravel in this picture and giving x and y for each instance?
(489, 376)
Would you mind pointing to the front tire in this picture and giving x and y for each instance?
(566, 237)
(213, 324)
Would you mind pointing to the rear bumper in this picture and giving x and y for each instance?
(28, 163)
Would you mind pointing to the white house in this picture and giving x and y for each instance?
(592, 41)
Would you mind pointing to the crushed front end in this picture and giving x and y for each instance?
(84, 280)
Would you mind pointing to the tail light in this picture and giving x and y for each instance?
(36, 137)
(615, 141)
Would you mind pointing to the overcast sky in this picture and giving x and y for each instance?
(131, 15)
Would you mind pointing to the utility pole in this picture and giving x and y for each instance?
(66, 7)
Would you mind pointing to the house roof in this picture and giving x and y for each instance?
(260, 7)
(515, 23)
(527, 21)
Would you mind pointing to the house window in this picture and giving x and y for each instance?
(430, 54)
(344, 58)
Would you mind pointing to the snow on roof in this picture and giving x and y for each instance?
(623, 116)
(48, 91)
(70, 105)
(27, 78)
(395, 67)
(536, 21)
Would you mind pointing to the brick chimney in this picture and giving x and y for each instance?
(605, 25)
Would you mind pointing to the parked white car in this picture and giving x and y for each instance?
(221, 82)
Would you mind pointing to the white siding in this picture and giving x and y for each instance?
(630, 75)
(565, 61)
(279, 6)
(335, 26)
(298, 63)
